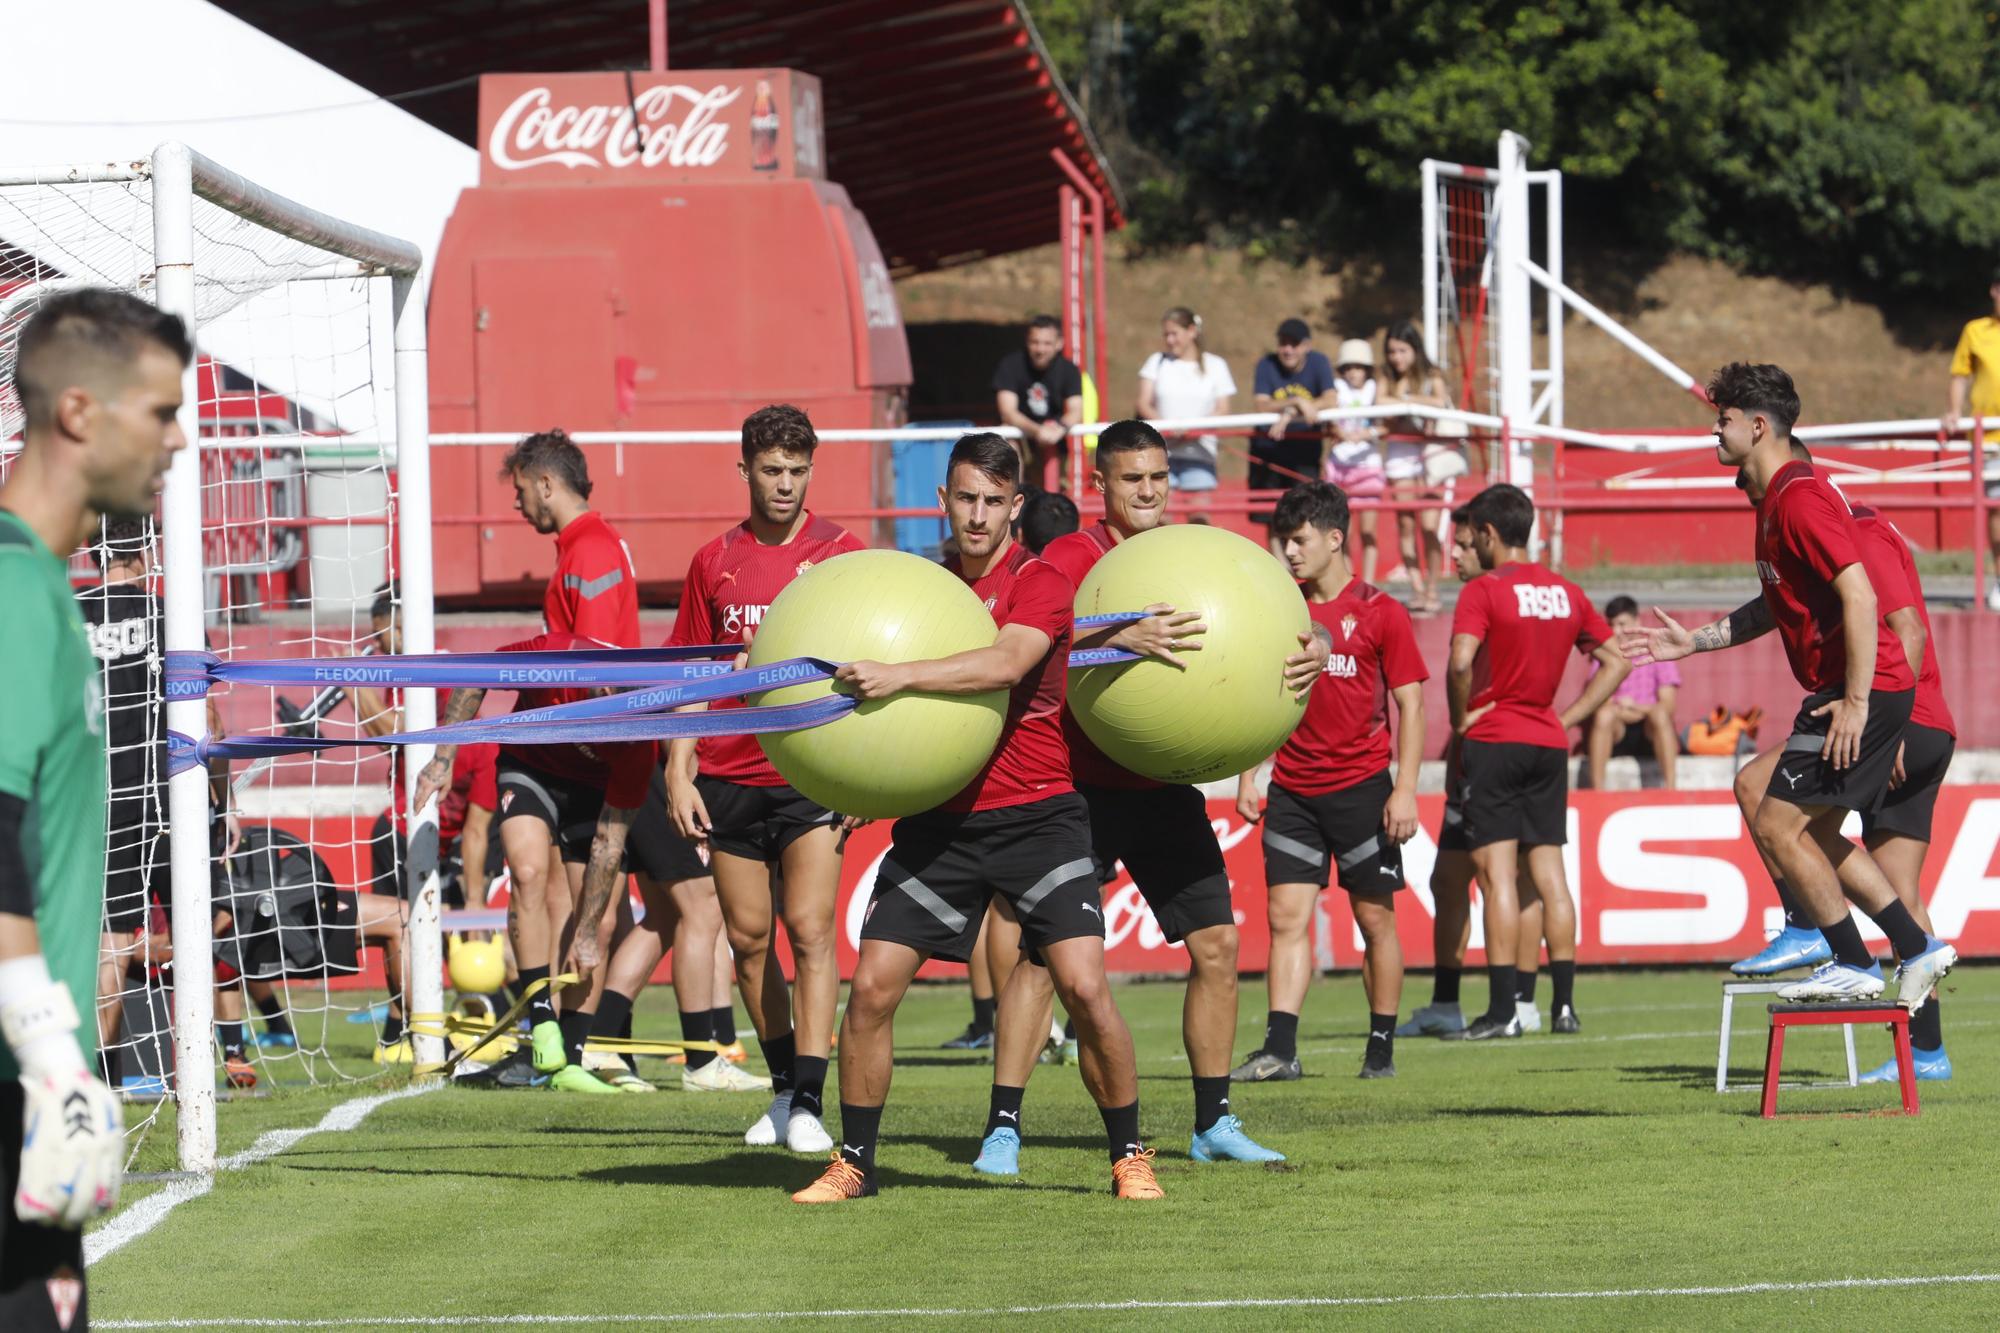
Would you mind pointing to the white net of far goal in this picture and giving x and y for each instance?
(247, 952)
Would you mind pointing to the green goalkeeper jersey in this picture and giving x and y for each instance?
(52, 759)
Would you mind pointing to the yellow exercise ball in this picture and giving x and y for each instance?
(477, 966)
(1229, 710)
(889, 757)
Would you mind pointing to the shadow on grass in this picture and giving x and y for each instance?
(1534, 1113)
(772, 1171)
(1697, 1077)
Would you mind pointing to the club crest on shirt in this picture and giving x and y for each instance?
(1347, 624)
(804, 565)
(65, 1294)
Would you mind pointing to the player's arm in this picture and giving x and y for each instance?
(378, 717)
(1006, 663)
(462, 705)
(1850, 711)
(1399, 816)
(1612, 668)
(601, 879)
(473, 836)
(1249, 805)
(1458, 680)
(1671, 640)
(1909, 630)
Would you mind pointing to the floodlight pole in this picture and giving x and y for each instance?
(656, 35)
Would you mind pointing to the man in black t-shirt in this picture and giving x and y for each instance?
(1039, 392)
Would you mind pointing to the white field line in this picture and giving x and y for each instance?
(1067, 1307)
(133, 1222)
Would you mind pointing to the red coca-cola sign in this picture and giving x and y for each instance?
(618, 129)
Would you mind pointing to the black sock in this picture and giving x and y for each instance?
(1003, 1110)
(1844, 938)
(542, 1008)
(614, 1011)
(108, 1063)
(779, 1055)
(860, 1126)
(1562, 977)
(1926, 1029)
(1524, 986)
(512, 990)
(1121, 1128)
(1500, 984)
(624, 1033)
(1795, 915)
(575, 1026)
(698, 1025)
(982, 1013)
(1444, 985)
(724, 1018)
(1382, 1034)
(808, 1083)
(1906, 937)
(392, 1029)
(1281, 1034)
(1069, 1029)
(1211, 1103)
(273, 1010)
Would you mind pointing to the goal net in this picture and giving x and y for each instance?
(254, 918)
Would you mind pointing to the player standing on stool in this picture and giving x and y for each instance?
(1860, 691)
(1515, 750)
(1018, 829)
(99, 377)
(1334, 809)
(1160, 832)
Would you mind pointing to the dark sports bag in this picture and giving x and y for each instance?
(288, 919)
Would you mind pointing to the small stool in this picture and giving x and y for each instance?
(1730, 990)
(1793, 1015)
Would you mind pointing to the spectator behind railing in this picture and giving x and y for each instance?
(1644, 699)
(1039, 392)
(1412, 378)
(1975, 365)
(1354, 463)
(1186, 381)
(1295, 382)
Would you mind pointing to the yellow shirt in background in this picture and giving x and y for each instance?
(1978, 356)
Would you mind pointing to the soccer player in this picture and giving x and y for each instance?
(1160, 832)
(1334, 809)
(1018, 830)
(99, 378)
(723, 793)
(1842, 752)
(1515, 749)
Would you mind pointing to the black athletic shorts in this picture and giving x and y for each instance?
(135, 861)
(1803, 778)
(1163, 836)
(1513, 792)
(1451, 834)
(757, 823)
(944, 866)
(41, 1268)
(1906, 810)
(569, 808)
(654, 847)
(1299, 456)
(1308, 838)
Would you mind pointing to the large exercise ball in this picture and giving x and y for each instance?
(889, 757)
(1229, 710)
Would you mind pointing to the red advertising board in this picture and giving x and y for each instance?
(1660, 877)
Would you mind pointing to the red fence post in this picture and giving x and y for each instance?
(1979, 511)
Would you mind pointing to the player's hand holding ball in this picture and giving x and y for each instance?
(72, 1131)
(870, 680)
(1303, 667)
(1162, 635)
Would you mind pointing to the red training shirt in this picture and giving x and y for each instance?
(1075, 554)
(731, 583)
(622, 771)
(1806, 536)
(1030, 763)
(1344, 737)
(594, 593)
(1528, 618)
(1893, 571)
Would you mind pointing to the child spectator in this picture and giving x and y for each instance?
(1645, 698)
(1353, 463)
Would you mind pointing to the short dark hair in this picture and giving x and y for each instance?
(988, 452)
(1620, 606)
(553, 452)
(125, 537)
(79, 334)
(386, 598)
(1759, 388)
(780, 426)
(1046, 516)
(1319, 504)
(1507, 510)
(1046, 322)
(1461, 515)
(1130, 436)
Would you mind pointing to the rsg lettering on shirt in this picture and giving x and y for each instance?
(1537, 601)
(123, 638)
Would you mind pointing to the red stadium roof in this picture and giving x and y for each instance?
(939, 117)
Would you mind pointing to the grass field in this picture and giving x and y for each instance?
(1594, 1180)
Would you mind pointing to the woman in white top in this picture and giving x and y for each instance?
(1411, 378)
(1185, 381)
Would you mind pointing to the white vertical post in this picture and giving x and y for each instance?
(425, 994)
(187, 793)
(1516, 345)
(1552, 393)
(1433, 344)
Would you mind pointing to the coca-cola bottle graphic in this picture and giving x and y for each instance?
(763, 129)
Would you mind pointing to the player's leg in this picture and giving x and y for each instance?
(528, 823)
(384, 923)
(1381, 978)
(1798, 942)
(577, 1014)
(743, 888)
(1104, 1057)
(1451, 933)
(978, 1034)
(1527, 950)
(237, 1071)
(1021, 1029)
(882, 976)
(1496, 864)
(811, 860)
(1898, 836)
(1297, 866)
(1545, 870)
(722, 1001)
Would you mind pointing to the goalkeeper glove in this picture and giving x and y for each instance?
(72, 1131)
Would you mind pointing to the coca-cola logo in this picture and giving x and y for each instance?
(677, 125)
